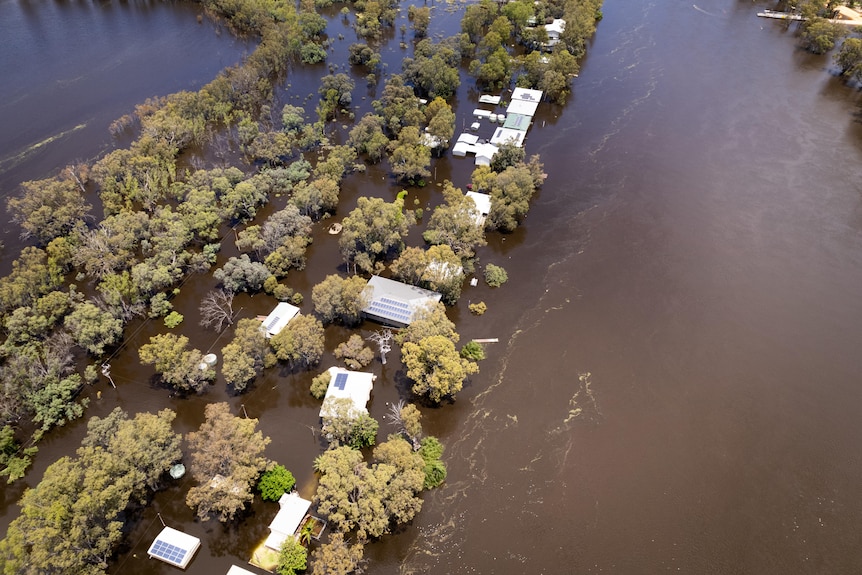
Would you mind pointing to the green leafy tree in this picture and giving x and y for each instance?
(320, 384)
(292, 557)
(495, 276)
(421, 18)
(301, 342)
(368, 138)
(146, 444)
(441, 121)
(49, 208)
(511, 192)
(435, 367)
(428, 321)
(72, 521)
(437, 268)
(473, 351)
(340, 299)
(343, 424)
(316, 197)
(456, 223)
(398, 106)
(372, 232)
(371, 499)
(849, 58)
(431, 451)
(819, 34)
(246, 355)
(409, 158)
(354, 352)
(292, 117)
(242, 274)
(433, 70)
(226, 460)
(14, 460)
(178, 366)
(275, 482)
(336, 557)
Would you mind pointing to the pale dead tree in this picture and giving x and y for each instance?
(407, 418)
(394, 415)
(217, 309)
(383, 339)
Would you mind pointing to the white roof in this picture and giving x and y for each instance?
(479, 113)
(441, 271)
(396, 302)
(558, 26)
(234, 570)
(489, 99)
(468, 138)
(482, 201)
(461, 148)
(174, 547)
(287, 520)
(508, 135)
(279, 318)
(527, 94)
(485, 153)
(523, 107)
(353, 385)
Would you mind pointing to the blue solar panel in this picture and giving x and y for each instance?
(168, 552)
(403, 315)
(396, 303)
(340, 381)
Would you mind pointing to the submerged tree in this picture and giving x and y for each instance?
(178, 365)
(435, 367)
(226, 460)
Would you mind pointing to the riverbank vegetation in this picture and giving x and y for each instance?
(196, 176)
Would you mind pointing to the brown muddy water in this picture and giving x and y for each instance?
(677, 385)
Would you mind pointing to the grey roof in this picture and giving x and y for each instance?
(396, 302)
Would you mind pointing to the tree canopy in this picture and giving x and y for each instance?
(226, 460)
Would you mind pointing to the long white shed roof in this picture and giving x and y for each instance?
(523, 107)
(508, 135)
(292, 510)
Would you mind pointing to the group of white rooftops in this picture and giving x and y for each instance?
(390, 302)
(515, 122)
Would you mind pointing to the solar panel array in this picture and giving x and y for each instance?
(168, 552)
(340, 381)
(392, 309)
(271, 324)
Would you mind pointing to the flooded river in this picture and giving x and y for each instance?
(677, 383)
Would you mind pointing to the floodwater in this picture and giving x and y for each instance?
(69, 69)
(676, 386)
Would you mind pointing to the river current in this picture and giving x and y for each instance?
(677, 383)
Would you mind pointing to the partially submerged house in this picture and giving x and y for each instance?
(483, 206)
(292, 510)
(554, 30)
(174, 547)
(508, 136)
(345, 384)
(278, 318)
(395, 303)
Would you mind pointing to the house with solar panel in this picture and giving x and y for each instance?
(355, 386)
(174, 547)
(395, 303)
(278, 318)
